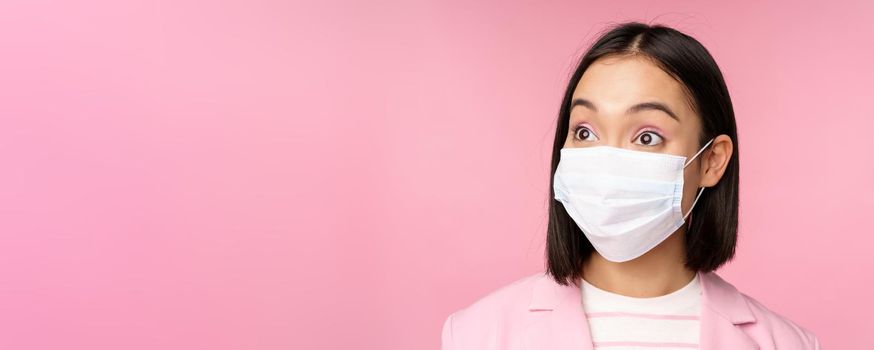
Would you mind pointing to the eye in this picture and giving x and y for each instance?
(649, 138)
(583, 133)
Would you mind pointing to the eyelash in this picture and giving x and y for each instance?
(639, 134)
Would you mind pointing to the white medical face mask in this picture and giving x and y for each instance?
(626, 202)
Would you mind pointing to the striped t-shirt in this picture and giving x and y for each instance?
(667, 322)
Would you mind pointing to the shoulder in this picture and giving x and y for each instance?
(502, 302)
(783, 332)
(498, 311)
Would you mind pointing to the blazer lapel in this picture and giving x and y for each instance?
(559, 321)
(723, 307)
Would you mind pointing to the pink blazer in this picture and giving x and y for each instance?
(535, 312)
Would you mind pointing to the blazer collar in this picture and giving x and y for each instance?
(561, 321)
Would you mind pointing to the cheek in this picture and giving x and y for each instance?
(690, 185)
(568, 140)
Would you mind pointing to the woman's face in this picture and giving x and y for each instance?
(603, 109)
(629, 102)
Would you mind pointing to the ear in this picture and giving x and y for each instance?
(715, 160)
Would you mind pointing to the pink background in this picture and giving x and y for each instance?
(268, 175)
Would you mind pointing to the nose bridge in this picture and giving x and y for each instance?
(613, 127)
(615, 141)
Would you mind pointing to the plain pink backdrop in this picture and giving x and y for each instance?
(336, 175)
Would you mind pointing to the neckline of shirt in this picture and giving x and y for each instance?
(689, 290)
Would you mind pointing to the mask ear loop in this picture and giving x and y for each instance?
(693, 203)
(699, 152)
(689, 223)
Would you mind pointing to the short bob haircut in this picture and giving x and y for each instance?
(712, 235)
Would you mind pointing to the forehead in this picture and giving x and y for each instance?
(613, 83)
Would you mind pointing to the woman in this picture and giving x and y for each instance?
(645, 182)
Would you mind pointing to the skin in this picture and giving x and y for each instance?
(612, 85)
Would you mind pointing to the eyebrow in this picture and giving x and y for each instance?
(658, 106)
